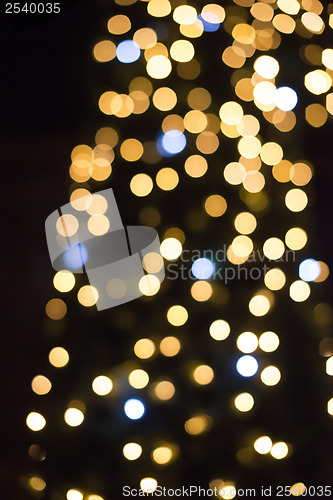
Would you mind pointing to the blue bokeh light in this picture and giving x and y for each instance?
(247, 366)
(171, 143)
(128, 51)
(134, 409)
(76, 256)
(285, 98)
(309, 270)
(208, 26)
(203, 268)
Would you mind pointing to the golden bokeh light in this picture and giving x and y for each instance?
(138, 379)
(299, 291)
(300, 174)
(146, 38)
(281, 171)
(73, 417)
(245, 223)
(244, 402)
(132, 451)
(152, 262)
(159, 8)
(279, 450)
(131, 150)
(199, 98)
(296, 238)
(215, 205)
(273, 248)
(56, 309)
(164, 390)
(41, 385)
(203, 374)
(35, 421)
(162, 455)
(87, 295)
(141, 185)
(185, 14)
(268, 341)
(318, 81)
(197, 424)
(201, 291)
(164, 99)
(247, 342)
(263, 445)
(234, 173)
(296, 200)
(144, 348)
(313, 22)
(58, 357)
(182, 51)
(231, 113)
(270, 375)
(242, 246)
(167, 179)
(170, 346)
(275, 279)
(149, 285)
(254, 182)
(249, 147)
(262, 11)
(219, 329)
(267, 67)
(207, 142)
(159, 66)
(74, 495)
(195, 121)
(118, 25)
(316, 115)
(104, 51)
(271, 153)
(148, 484)
(106, 135)
(298, 489)
(64, 281)
(98, 224)
(284, 23)
(249, 126)
(259, 305)
(196, 166)
(102, 385)
(171, 248)
(37, 483)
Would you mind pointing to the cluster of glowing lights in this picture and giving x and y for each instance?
(276, 104)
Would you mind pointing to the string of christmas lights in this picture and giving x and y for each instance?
(197, 142)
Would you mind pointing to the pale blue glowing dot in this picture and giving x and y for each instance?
(209, 26)
(309, 270)
(285, 98)
(173, 142)
(76, 256)
(134, 409)
(247, 366)
(203, 268)
(128, 51)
